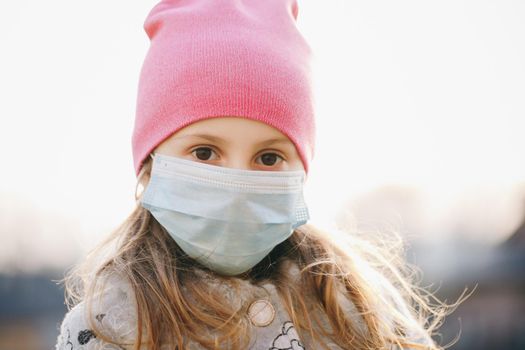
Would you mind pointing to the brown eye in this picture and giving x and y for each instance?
(270, 159)
(203, 153)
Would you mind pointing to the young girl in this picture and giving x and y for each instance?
(218, 253)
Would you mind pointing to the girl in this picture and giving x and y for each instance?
(218, 253)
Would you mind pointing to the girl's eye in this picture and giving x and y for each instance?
(270, 159)
(203, 153)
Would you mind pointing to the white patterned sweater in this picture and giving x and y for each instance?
(271, 326)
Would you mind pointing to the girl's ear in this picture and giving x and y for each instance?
(144, 175)
(137, 196)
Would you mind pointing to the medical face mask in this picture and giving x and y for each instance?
(227, 219)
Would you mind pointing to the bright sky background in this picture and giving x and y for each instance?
(423, 99)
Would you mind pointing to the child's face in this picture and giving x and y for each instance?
(233, 142)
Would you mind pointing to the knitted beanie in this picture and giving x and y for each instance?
(213, 58)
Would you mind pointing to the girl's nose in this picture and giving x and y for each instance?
(237, 163)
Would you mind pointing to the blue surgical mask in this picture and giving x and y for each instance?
(227, 219)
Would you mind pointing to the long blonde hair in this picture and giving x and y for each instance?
(142, 251)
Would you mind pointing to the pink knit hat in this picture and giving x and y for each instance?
(212, 58)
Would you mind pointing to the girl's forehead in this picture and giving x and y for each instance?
(232, 127)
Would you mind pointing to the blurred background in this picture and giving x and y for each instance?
(421, 118)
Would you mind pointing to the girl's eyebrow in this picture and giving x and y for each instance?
(204, 136)
(221, 140)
